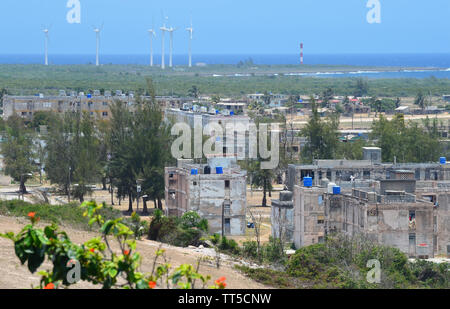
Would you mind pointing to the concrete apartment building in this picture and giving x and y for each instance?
(97, 104)
(406, 206)
(217, 191)
(370, 168)
(393, 218)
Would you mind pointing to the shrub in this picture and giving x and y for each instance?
(190, 219)
(181, 232)
(273, 251)
(250, 249)
(229, 245)
(139, 227)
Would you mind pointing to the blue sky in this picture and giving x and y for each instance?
(229, 26)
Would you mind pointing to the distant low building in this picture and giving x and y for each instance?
(402, 109)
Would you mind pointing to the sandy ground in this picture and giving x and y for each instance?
(15, 276)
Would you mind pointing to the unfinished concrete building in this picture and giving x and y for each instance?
(392, 213)
(438, 193)
(343, 172)
(217, 191)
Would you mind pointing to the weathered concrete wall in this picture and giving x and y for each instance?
(308, 210)
(442, 213)
(282, 222)
(397, 185)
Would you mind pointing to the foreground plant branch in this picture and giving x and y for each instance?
(95, 261)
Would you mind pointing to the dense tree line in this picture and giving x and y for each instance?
(80, 151)
(398, 139)
(407, 142)
(29, 79)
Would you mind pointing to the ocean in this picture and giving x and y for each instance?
(439, 61)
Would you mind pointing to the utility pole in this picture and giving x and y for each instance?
(353, 114)
(223, 215)
(138, 190)
(68, 189)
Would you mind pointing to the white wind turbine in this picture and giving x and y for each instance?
(97, 36)
(46, 31)
(163, 32)
(190, 30)
(152, 34)
(171, 30)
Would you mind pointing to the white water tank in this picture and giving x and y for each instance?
(330, 187)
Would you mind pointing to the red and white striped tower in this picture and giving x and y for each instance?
(301, 53)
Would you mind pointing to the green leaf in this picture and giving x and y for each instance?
(107, 227)
(112, 272)
(35, 260)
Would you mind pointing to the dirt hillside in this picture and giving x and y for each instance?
(15, 276)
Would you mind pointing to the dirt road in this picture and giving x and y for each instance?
(15, 276)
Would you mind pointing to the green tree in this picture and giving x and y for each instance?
(151, 146)
(73, 154)
(193, 92)
(361, 88)
(42, 118)
(259, 178)
(327, 96)
(407, 142)
(122, 164)
(420, 100)
(17, 151)
(87, 170)
(321, 135)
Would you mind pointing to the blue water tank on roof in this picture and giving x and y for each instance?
(336, 190)
(307, 181)
(194, 171)
(219, 170)
(443, 160)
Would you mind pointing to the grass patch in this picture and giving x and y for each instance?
(272, 278)
(69, 214)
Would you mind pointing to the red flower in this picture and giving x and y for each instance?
(31, 215)
(49, 286)
(152, 284)
(126, 252)
(92, 250)
(221, 282)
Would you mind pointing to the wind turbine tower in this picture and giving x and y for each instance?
(163, 32)
(190, 30)
(171, 30)
(152, 34)
(46, 30)
(97, 35)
